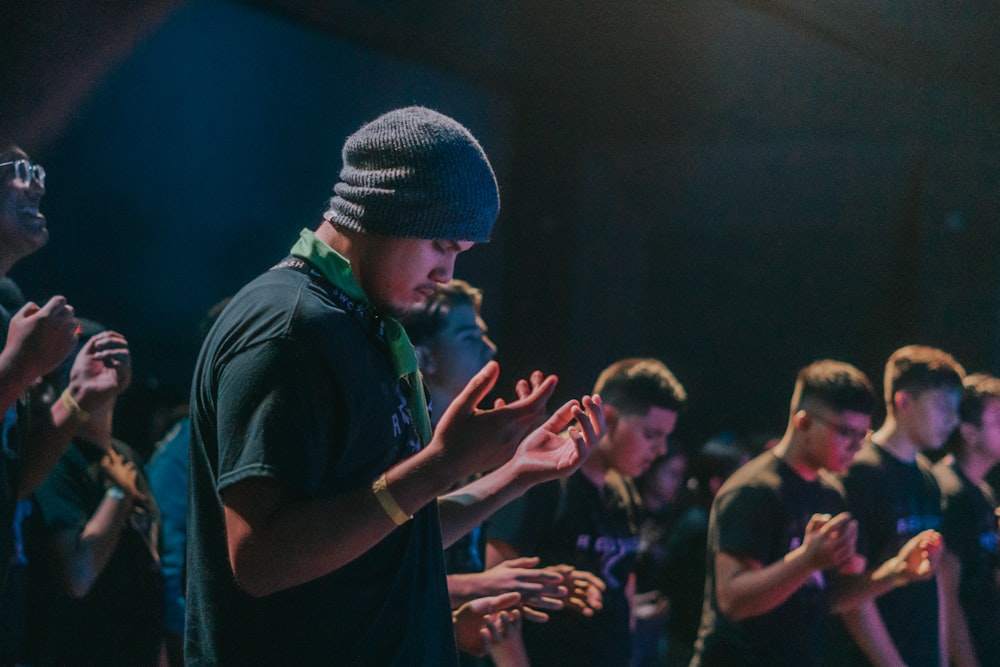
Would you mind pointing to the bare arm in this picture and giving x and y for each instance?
(745, 588)
(543, 455)
(101, 371)
(866, 627)
(84, 555)
(277, 541)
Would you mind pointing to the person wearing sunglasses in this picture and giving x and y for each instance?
(781, 545)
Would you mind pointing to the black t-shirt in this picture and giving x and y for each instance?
(572, 521)
(761, 512)
(969, 527)
(292, 387)
(892, 501)
(120, 620)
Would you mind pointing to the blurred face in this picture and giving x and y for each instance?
(833, 438)
(669, 477)
(22, 226)
(459, 350)
(986, 437)
(930, 417)
(397, 273)
(634, 441)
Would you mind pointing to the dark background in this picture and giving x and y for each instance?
(735, 187)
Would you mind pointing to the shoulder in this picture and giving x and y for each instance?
(947, 479)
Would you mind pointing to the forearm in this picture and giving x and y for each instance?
(866, 627)
(45, 444)
(746, 591)
(463, 588)
(277, 543)
(852, 590)
(14, 381)
(88, 554)
(511, 652)
(464, 509)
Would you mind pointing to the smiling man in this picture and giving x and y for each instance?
(314, 535)
(781, 545)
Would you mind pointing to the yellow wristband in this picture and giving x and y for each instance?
(73, 407)
(381, 490)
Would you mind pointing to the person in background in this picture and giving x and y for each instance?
(451, 342)
(892, 493)
(970, 565)
(591, 519)
(781, 547)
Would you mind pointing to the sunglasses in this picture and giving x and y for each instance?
(25, 171)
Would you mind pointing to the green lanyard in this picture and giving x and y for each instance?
(335, 271)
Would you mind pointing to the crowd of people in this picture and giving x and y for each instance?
(352, 487)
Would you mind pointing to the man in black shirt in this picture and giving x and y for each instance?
(781, 547)
(314, 534)
(970, 565)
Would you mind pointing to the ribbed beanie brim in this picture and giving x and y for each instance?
(416, 173)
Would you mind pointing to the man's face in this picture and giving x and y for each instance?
(834, 438)
(929, 417)
(397, 273)
(22, 226)
(460, 349)
(987, 435)
(634, 441)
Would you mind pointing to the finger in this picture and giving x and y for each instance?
(547, 602)
(520, 562)
(534, 615)
(536, 379)
(816, 521)
(522, 388)
(53, 305)
(476, 390)
(28, 309)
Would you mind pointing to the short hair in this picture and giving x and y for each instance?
(919, 368)
(835, 384)
(976, 391)
(633, 386)
(425, 320)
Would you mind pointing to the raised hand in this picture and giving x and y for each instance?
(920, 556)
(475, 439)
(585, 590)
(484, 622)
(41, 338)
(122, 474)
(831, 542)
(101, 370)
(547, 453)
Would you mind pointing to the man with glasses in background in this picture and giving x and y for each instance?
(781, 545)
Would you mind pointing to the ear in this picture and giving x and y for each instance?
(901, 400)
(425, 359)
(801, 421)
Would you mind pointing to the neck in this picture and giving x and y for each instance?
(975, 466)
(896, 441)
(789, 450)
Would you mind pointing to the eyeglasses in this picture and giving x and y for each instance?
(843, 430)
(25, 171)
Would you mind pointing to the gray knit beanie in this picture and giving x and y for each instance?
(416, 173)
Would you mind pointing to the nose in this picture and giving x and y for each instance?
(444, 272)
(661, 447)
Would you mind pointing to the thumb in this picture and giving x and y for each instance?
(54, 304)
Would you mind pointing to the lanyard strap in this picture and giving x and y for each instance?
(364, 314)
